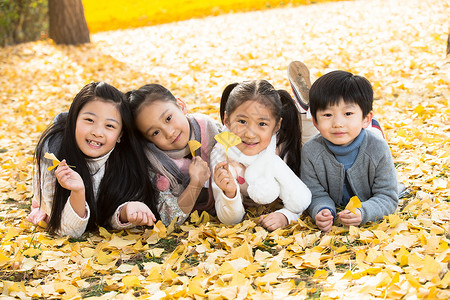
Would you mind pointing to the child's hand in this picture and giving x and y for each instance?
(348, 218)
(137, 213)
(224, 179)
(324, 220)
(199, 171)
(273, 221)
(68, 178)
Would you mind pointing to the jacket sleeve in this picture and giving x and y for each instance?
(229, 211)
(168, 208)
(384, 199)
(309, 175)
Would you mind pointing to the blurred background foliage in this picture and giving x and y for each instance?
(27, 20)
(22, 21)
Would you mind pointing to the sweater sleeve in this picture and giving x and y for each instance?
(229, 211)
(384, 199)
(115, 219)
(71, 223)
(291, 216)
(320, 197)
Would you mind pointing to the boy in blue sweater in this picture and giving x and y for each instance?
(345, 159)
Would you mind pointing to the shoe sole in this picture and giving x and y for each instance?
(298, 75)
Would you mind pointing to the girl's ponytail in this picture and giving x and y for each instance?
(290, 133)
(224, 99)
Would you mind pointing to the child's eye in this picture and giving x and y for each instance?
(111, 126)
(155, 133)
(349, 113)
(262, 124)
(169, 118)
(89, 120)
(327, 115)
(242, 122)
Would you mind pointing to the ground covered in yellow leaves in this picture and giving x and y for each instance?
(399, 45)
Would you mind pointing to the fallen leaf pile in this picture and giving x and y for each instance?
(399, 45)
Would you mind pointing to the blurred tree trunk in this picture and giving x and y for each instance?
(448, 44)
(67, 24)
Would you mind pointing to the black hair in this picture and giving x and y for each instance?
(138, 99)
(330, 88)
(126, 171)
(146, 95)
(282, 106)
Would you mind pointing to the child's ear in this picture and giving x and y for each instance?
(226, 120)
(367, 119)
(182, 105)
(315, 123)
(278, 126)
(118, 138)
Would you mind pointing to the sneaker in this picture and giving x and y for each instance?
(298, 75)
(403, 191)
(376, 128)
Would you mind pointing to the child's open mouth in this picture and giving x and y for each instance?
(94, 143)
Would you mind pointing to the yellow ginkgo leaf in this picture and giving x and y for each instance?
(227, 139)
(353, 204)
(194, 145)
(55, 161)
(131, 281)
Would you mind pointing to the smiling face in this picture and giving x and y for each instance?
(342, 123)
(98, 128)
(164, 124)
(255, 124)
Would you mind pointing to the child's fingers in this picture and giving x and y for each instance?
(144, 219)
(220, 165)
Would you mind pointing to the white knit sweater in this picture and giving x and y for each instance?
(71, 223)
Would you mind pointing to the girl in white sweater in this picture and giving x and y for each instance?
(265, 166)
(101, 180)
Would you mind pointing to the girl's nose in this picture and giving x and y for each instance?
(169, 132)
(97, 131)
(250, 133)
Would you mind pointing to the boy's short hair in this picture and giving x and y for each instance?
(330, 88)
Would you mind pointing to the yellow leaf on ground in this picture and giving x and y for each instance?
(131, 281)
(4, 259)
(104, 233)
(431, 268)
(445, 281)
(195, 287)
(12, 232)
(321, 274)
(353, 204)
(104, 259)
(119, 242)
(244, 251)
(30, 252)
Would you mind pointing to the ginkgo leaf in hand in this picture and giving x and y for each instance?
(353, 204)
(55, 161)
(227, 139)
(194, 145)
